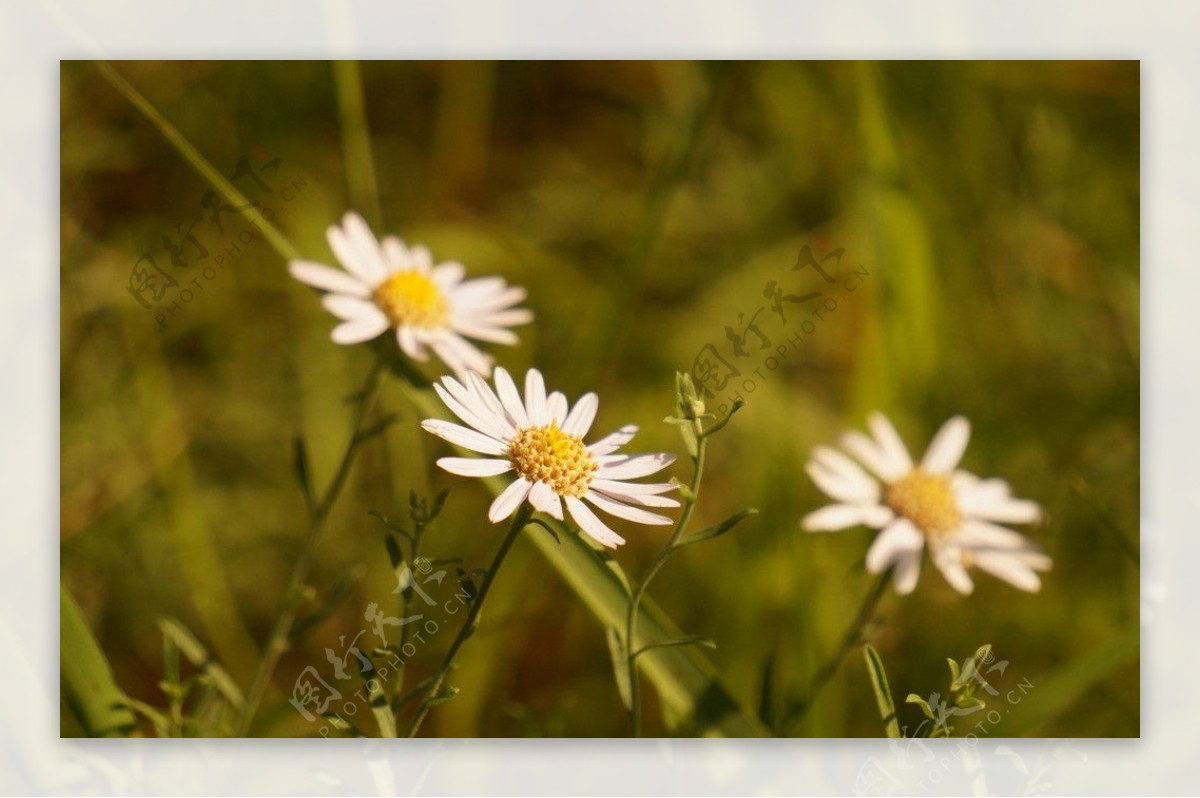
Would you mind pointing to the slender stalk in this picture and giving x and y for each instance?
(197, 161)
(472, 620)
(414, 552)
(639, 592)
(850, 639)
(278, 641)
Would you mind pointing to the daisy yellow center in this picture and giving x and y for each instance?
(547, 454)
(412, 298)
(927, 500)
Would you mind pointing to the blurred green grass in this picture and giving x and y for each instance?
(644, 205)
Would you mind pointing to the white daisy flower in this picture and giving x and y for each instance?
(933, 505)
(541, 439)
(386, 284)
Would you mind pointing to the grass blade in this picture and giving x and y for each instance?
(87, 681)
(883, 694)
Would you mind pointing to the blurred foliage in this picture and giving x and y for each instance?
(991, 210)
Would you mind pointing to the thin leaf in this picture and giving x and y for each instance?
(766, 692)
(717, 530)
(620, 666)
(447, 694)
(695, 640)
(927, 710)
(303, 475)
(883, 694)
(198, 655)
(87, 681)
(549, 529)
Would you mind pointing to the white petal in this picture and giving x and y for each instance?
(906, 572)
(948, 560)
(395, 254)
(947, 446)
(448, 275)
(984, 535)
(462, 436)
(535, 398)
(590, 524)
(479, 418)
(422, 259)
(509, 499)
(1011, 569)
(506, 389)
(556, 407)
(834, 517)
(458, 349)
(348, 308)
(327, 279)
(840, 487)
(482, 305)
(544, 499)
(871, 455)
(483, 392)
(483, 332)
(646, 500)
(610, 443)
(357, 249)
(580, 419)
(480, 288)
(625, 467)
(622, 510)
(898, 538)
(631, 488)
(1003, 509)
(502, 318)
(889, 443)
(359, 330)
(474, 466)
(406, 336)
(448, 356)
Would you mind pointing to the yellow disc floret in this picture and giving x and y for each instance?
(927, 500)
(547, 454)
(411, 298)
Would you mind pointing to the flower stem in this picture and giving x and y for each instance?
(639, 592)
(472, 620)
(850, 639)
(278, 641)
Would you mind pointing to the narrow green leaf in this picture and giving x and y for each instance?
(374, 429)
(883, 695)
(87, 681)
(198, 655)
(439, 503)
(717, 530)
(303, 475)
(766, 692)
(549, 529)
(695, 640)
(620, 665)
(927, 710)
(447, 694)
(341, 724)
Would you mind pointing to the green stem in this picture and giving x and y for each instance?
(850, 639)
(414, 551)
(472, 620)
(278, 641)
(639, 592)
